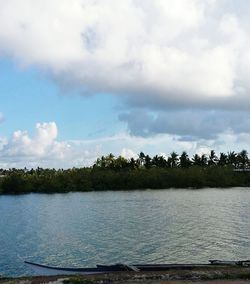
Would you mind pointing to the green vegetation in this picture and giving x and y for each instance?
(118, 173)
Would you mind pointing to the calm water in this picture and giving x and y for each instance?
(83, 229)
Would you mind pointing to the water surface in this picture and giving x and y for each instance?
(151, 226)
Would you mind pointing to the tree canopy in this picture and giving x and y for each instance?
(118, 173)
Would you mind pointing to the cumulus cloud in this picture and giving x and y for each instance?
(171, 51)
(44, 150)
(128, 153)
(43, 145)
(155, 54)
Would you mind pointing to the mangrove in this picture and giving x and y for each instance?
(143, 172)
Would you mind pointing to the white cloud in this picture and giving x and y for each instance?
(160, 55)
(128, 153)
(26, 150)
(173, 51)
(44, 150)
(21, 144)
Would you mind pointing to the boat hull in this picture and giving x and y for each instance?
(46, 270)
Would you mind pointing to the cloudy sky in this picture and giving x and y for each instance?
(83, 78)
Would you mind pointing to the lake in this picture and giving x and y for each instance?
(149, 226)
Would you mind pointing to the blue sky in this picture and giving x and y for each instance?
(81, 80)
(28, 97)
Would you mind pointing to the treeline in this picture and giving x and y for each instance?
(117, 173)
(236, 160)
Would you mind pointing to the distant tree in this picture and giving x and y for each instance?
(99, 163)
(147, 163)
(203, 160)
(134, 164)
(212, 158)
(242, 159)
(13, 183)
(223, 160)
(110, 172)
(105, 162)
(184, 160)
(173, 160)
(141, 159)
(196, 160)
(159, 161)
(162, 163)
(199, 160)
(120, 163)
(232, 158)
(110, 161)
(155, 161)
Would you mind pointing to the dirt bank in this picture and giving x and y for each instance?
(209, 274)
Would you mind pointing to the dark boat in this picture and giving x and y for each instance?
(230, 262)
(51, 270)
(41, 269)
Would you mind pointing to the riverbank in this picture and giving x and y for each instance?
(61, 281)
(208, 274)
(91, 179)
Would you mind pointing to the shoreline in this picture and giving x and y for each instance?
(208, 274)
(90, 180)
(128, 190)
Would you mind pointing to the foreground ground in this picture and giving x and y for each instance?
(209, 274)
(235, 281)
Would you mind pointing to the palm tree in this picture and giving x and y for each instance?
(100, 162)
(173, 159)
(162, 162)
(134, 164)
(159, 161)
(203, 160)
(212, 158)
(147, 162)
(199, 160)
(184, 160)
(110, 161)
(232, 158)
(120, 163)
(196, 160)
(243, 160)
(156, 161)
(141, 159)
(223, 160)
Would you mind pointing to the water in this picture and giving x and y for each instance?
(151, 226)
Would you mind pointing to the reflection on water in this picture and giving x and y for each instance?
(83, 229)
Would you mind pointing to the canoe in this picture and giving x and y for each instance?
(46, 270)
(42, 269)
(230, 262)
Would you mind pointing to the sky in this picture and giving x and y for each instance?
(84, 78)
